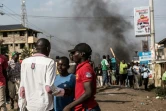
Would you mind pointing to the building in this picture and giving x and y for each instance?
(160, 66)
(16, 37)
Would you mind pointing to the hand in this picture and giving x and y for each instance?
(68, 91)
(67, 108)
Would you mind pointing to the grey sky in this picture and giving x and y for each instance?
(66, 29)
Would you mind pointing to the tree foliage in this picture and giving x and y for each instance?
(26, 52)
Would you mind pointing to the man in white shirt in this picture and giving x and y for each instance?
(145, 72)
(37, 78)
(137, 75)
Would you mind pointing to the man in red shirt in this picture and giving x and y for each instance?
(85, 88)
(3, 67)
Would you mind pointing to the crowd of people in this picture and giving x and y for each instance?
(39, 83)
(114, 72)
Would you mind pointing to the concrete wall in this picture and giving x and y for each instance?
(14, 39)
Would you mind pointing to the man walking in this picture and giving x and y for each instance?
(137, 76)
(37, 78)
(14, 68)
(145, 72)
(105, 67)
(123, 72)
(85, 88)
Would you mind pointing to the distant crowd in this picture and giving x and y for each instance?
(114, 72)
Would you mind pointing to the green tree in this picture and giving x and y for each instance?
(26, 52)
(4, 49)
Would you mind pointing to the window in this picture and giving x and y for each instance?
(22, 33)
(16, 45)
(11, 45)
(30, 33)
(5, 34)
(22, 46)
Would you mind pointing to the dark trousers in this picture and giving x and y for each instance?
(146, 80)
(117, 79)
(7, 89)
(131, 80)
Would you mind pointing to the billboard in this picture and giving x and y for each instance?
(145, 57)
(142, 21)
(145, 46)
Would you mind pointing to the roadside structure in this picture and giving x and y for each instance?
(16, 37)
(160, 66)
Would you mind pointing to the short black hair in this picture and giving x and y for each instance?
(104, 57)
(42, 43)
(64, 58)
(57, 57)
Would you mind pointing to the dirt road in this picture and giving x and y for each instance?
(125, 99)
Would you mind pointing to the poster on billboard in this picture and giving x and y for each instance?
(142, 21)
(145, 46)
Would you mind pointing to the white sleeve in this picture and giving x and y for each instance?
(50, 74)
(106, 63)
(22, 75)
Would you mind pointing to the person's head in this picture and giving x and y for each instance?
(63, 65)
(99, 66)
(81, 52)
(15, 56)
(57, 58)
(123, 61)
(136, 63)
(43, 46)
(132, 64)
(104, 57)
(143, 65)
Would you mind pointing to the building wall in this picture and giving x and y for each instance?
(14, 39)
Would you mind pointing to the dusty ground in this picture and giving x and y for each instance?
(125, 99)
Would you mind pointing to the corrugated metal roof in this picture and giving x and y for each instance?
(12, 27)
(15, 27)
(162, 41)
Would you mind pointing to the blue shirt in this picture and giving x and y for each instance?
(64, 82)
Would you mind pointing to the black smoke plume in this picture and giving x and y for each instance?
(107, 25)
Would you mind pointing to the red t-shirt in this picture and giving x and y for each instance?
(3, 66)
(85, 73)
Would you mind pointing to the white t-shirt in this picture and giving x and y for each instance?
(136, 69)
(36, 73)
(146, 73)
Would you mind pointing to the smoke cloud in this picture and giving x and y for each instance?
(107, 26)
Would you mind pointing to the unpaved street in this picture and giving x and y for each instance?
(125, 99)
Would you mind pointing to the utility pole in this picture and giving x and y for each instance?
(151, 5)
(152, 27)
(24, 19)
(1, 12)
